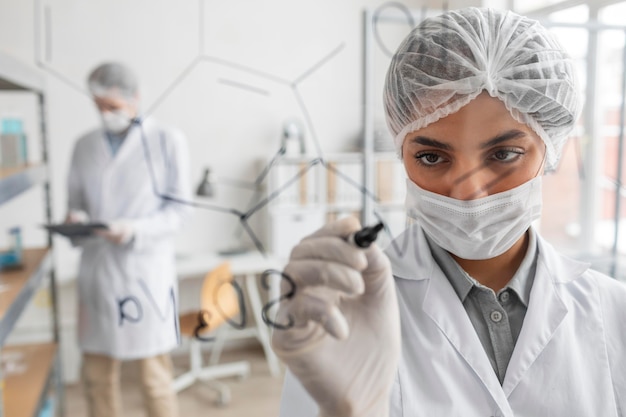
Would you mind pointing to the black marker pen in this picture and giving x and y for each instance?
(366, 236)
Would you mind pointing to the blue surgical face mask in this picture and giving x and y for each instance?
(476, 229)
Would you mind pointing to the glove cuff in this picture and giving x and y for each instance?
(379, 409)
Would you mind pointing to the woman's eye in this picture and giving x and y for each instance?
(429, 158)
(506, 155)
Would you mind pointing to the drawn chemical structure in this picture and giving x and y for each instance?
(43, 24)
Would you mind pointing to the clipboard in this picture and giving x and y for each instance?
(76, 229)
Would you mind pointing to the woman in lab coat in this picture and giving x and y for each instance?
(127, 280)
(471, 312)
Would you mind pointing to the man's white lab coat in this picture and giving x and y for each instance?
(128, 293)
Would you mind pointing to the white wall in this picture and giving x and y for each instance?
(233, 130)
(230, 129)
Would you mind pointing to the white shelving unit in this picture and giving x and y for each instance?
(28, 390)
(305, 197)
(388, 184)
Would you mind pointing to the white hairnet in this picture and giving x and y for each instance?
(448, 60)
(113, 79)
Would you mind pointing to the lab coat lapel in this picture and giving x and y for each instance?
(443, 306)
(101, 165)
(129, 145)
(104, 149)
(116, 166)
(546, 311)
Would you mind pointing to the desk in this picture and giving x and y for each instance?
(248, 265)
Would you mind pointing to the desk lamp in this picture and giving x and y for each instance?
(292, 141)
(206, 188)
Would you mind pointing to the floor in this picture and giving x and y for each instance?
(256, 395)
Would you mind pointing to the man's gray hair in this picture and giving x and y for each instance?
(113, 78)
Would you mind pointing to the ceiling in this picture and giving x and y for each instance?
(546, 7)
(528, 7)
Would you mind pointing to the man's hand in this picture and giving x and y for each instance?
(76, 217)
(119, 232)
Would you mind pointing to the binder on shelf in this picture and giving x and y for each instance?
(344, 183)
(308, 184)
(287, 194)
(295, 184)
(11, 125)
(47, 409)
(13, 150)
(390, 181)
(289, 226)
(331, 183)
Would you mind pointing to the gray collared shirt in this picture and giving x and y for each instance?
(497, 318)
(115, 141)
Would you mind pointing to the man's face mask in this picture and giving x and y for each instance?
(116, 112)
(116, 121)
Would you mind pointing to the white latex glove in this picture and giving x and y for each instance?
(119, 232)
(344, 346)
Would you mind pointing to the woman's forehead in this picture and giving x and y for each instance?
(482, 120)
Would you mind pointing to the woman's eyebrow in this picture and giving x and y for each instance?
(426, 141)
(503, 137)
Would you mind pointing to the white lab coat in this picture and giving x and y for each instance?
(128, 294)
(569, 360)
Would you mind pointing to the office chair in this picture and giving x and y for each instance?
(218, 302)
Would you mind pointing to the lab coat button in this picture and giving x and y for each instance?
(496, 316)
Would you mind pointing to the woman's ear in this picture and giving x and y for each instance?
(542, 168)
